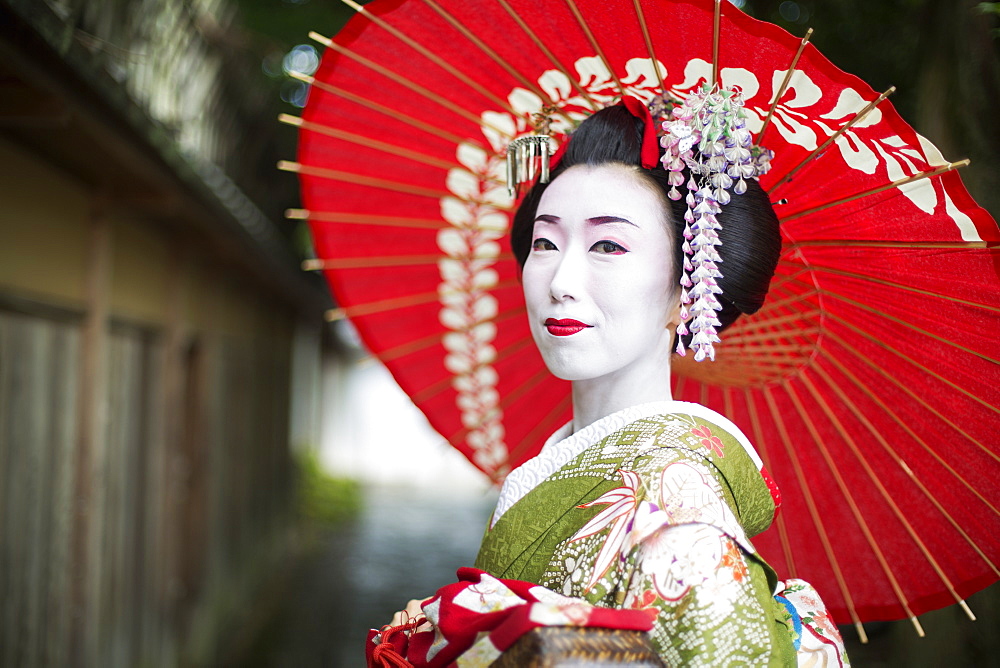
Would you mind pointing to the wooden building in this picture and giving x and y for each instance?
(148, 314)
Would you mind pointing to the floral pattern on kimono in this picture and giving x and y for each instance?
(657, 515)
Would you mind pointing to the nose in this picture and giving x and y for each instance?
(565, 283)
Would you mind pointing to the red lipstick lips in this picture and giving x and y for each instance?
(566, 327)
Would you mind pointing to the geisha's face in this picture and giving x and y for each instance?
(597, 280)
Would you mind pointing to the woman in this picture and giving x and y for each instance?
(641, 501)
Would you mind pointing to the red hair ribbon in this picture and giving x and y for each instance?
(650, 144)
(650, 152)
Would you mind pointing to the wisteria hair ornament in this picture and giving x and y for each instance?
(707, 135)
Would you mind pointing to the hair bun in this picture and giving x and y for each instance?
(750, 248)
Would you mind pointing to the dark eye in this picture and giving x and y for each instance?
(543, 244)
(608, 248)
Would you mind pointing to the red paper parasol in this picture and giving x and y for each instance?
(869, 380)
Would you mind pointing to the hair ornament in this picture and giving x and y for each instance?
(707, 135)
(527, 156)
(531, 154)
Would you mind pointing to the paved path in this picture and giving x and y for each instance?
(405, 545)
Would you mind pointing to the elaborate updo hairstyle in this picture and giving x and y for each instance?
(750, 238)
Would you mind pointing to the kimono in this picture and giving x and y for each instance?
(653, 508)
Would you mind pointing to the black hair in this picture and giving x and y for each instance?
(750, 237)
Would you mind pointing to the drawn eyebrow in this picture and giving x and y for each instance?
(602, 220)
(596, 220)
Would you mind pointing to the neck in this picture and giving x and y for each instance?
(642, 383)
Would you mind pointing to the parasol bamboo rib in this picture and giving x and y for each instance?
(385, 147)
(801, 280)
(786, 308)
(431, 56)
(874, 191)
(436, 388)
(810, 502)
(543, 427)
(374, 219)
(885, 494)
(787, 348)
(360, 179)
(649, 44)
(750, 323)
(727, 404)
(760, 316)
(751, 342)
(739, 329)
(899, 286)
(548, 54)
(716, 30)
(387, 221)
(882, 344)
(390, 303)
(913, 395)
(418, 345)
(811, 427)
(395, 114)
(383, 261)
(916, 364)
(737, 337)
(431, 390)
(883, 314)
(410, 347)
(406, 83)
(524, 388)
(980, 446)
(752, 359)
(879, 245)
(845, 490)
(899, 321)
(798, 361)
(680, 385)
(761, 442)
(797, 268)
(781, 279)
(507, 353)
(761, 321)
(903, 425)
(521, 390)
(852, 444)
(593, 43)
(797, 262)
(492, 55)
(860, 116)
(792, 354)
(783, 87)
(790, 307)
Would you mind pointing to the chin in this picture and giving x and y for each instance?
(571, 370)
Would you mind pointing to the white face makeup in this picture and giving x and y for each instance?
(597, 280)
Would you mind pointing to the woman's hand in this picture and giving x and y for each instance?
(411, 612)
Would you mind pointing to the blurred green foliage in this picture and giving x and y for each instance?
(285, 23)
(324, 500)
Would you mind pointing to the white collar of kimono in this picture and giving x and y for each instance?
(562, 446)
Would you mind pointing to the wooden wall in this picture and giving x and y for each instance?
(145, 476)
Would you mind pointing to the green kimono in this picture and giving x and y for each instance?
(653, 509)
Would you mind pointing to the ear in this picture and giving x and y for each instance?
(674, 314)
